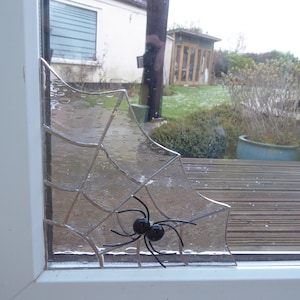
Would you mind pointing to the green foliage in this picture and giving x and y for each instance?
(167, 91)
(92, 101)
(263, 57)
(184, 100)
(221, 63)
(225, 60)
(197, 135)
(267, 97)
(179, 101)
(238, 61)
(230, 120)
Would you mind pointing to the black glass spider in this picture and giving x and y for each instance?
(151, 231)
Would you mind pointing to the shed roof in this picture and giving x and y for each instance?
(194, 34)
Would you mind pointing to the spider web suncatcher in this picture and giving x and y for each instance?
(102, 172)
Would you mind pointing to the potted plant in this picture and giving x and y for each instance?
(267, 96)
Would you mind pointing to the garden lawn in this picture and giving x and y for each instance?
(184, 100)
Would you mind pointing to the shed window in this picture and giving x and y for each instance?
(73, 31)
(192, 65)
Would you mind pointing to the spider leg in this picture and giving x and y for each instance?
(147, 210)
(124, 231)
(122, 244)
(175, 221)
(176, 231)
(152, 251)
(164, 223)
(133, 209)
(122, 234)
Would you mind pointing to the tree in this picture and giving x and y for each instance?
(238, 61)
(263, 57)
(221, 62)
(226, 60)
(240, 43)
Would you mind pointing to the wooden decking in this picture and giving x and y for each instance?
(264, 198)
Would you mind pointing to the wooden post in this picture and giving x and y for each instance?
(156, 32)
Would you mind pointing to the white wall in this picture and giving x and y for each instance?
(121, 38)
(21, 225)
(21, 215)
(168, 59)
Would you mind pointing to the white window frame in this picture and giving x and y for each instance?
(22, 274)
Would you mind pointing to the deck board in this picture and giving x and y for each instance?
(264, 197)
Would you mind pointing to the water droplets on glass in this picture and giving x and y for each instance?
(104, 173)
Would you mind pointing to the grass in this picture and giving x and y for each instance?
(184, 100)
(180, 101)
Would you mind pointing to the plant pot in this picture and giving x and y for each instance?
(141, 112)
(247, 149)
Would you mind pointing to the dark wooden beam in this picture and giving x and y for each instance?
(156, 32)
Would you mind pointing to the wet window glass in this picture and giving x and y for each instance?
(117, 196)
(153, 141)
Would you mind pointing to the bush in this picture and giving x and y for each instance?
(197, 135)
(230, 120)
(267, 96)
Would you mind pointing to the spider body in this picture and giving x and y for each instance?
(155, 233)
(151, 232)
(141, 226)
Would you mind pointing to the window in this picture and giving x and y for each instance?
(73, 32)
(90, 214)
(192, 57)
(21, 211)
(104, 178)
(194, 66)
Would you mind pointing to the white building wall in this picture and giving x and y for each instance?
(124, 40)
(120, 39)
(168, 59)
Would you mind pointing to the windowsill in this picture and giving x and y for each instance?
(74, 61)
(246, 281)
(244, 271)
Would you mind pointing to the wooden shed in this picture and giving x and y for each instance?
(192, 57)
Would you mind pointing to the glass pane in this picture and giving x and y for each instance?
(191, 64)
(184, 63)
(73, 31)
(119, 198)
(177, 65)
(202, 66)
(198, 64)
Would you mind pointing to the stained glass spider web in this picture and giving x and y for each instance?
(101, 160)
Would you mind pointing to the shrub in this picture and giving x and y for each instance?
(230, 120)
(197, 135)
(267, 96)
